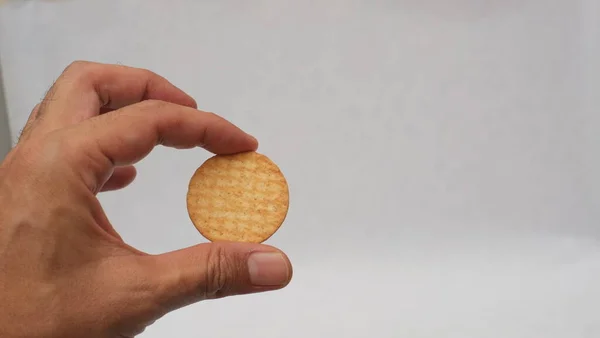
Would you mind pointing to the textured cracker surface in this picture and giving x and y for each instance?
(242, 198)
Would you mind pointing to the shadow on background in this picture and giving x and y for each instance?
(5, 136)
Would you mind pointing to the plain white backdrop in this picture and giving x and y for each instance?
(442, 155)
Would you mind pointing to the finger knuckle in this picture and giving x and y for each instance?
(45, 148)
(55, 148)
(147, 73)
(78, 66)
(79, 72)
(222, 272)
(212, 115)
(35, 110)
(60, 147)
(152, 105)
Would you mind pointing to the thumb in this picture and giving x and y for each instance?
(216, 270)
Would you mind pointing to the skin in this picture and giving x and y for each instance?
(64, 269)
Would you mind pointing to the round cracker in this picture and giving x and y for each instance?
(241, 197)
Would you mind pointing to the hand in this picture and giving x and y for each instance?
(64, 270)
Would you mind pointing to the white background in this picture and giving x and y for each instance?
(442, 155)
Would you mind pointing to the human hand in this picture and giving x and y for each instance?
(64, 269)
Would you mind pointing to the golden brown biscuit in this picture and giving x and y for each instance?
(242, 197)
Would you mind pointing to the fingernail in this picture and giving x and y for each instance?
(268, 269)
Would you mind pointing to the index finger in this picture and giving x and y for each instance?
(126, 136)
